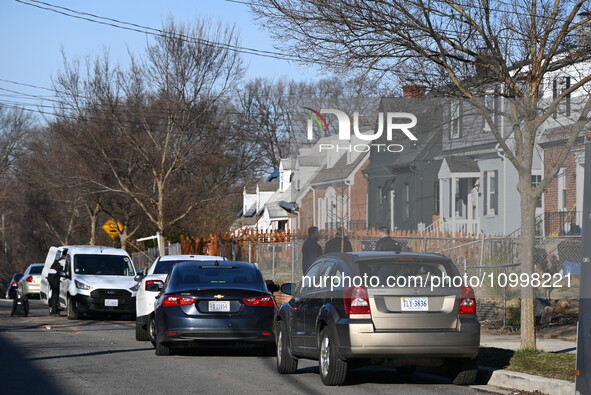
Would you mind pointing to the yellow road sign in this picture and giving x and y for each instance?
(110, 227)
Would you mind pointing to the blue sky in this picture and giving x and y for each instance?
(32, 38)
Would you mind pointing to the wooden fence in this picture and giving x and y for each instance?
(241, 245)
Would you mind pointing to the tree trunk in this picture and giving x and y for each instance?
(93, 214)
(526, 258)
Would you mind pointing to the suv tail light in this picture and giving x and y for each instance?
(172, 300)
(30, 279)
(467, 301)
(259, 301)
(13, 284)
(152, 282)
(356, 300)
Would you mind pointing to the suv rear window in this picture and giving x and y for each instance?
(419, 271)
(105, 265)
(36, 270)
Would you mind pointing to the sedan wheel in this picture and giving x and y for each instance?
(333, 371)
(152, 330)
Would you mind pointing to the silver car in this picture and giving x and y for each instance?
(30, 284)
(389, 313)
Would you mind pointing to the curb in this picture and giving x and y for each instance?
(527, 382)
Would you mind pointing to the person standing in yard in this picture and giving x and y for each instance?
(311, 249)
(338, 243)
(386, 243)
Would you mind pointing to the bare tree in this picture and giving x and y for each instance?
(15, 125)
(515, 47)
(160, 131)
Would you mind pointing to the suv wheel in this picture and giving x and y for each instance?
(333, 371)
(286, 364)
(141, 333)
(72, 313)
(463, 371)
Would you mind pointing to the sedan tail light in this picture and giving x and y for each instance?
(30, 279)
(173, 300)
(259, 301)
(13, 284)
(467, 301)
(356, 300)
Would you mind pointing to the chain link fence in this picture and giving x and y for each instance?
(143, 259)
(493, 261)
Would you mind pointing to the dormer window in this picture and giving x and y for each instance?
(455, 120)
(559, 85)
(491, 102)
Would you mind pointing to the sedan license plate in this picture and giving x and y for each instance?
(414, 304)
(111, 302)
(219, 305)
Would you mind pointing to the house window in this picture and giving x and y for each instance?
(562, 189)
(490, 193)
(455, 120)
(559, 85)
(406, 201)
(536, 179)
(491, 103)
(436, 194)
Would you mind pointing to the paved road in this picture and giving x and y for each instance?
(51, 355)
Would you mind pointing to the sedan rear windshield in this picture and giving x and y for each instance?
(36, 269)
(199, 276)
(105, 265)
(419, 271)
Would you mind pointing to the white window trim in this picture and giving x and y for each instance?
(490, 211)
(561, 181)
(454, 114)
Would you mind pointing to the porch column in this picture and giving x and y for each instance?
(441, 200)
(453, 203)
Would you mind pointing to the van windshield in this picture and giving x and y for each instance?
(104, 265)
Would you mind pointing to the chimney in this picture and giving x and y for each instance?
(413, 91)
(583, 35)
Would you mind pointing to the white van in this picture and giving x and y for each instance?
(95, 280)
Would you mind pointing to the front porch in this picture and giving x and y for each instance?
(459, 190)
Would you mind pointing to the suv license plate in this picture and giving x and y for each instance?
(111, 302)
(414, 304)
(219, 305)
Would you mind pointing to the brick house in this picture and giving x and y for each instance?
(563, 199)
(337, 195)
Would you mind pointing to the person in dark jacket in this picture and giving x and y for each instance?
(53, 278)
(338, 243)
(311, 249)
(386, 243)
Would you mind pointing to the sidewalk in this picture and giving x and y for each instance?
(526, 382)
(512, 342)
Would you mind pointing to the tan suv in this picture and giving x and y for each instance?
(397, 317)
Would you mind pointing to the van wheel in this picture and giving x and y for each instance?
(141, 333)
(463, 371)
(286, 364)
(71, 311)
(162, 350)
(333, 371)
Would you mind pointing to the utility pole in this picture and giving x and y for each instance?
(583, 370)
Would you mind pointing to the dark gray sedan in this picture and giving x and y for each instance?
(217, 301)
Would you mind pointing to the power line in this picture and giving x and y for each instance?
(150, 30)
